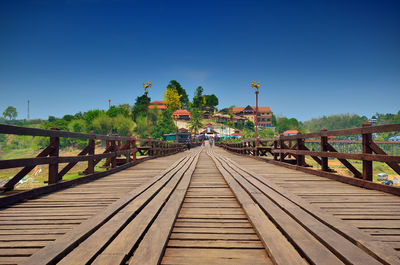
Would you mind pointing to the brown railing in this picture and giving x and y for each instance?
(292, 149)
(119, 150)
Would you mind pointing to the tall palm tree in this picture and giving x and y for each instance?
(195, 121)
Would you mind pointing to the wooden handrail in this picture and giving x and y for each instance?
(116, 146)
(283, 147)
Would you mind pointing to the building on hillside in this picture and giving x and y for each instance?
(237, 134)
(209, 131)
(238, 120)
(249, 112)
(181, 114)
(183, 134)
(221, 118)
(290, 132)
(372, 121)
(161, 105)
(206, 114)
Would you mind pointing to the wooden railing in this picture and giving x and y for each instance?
(292, 149)
(119, 150)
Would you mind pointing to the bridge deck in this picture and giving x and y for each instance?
(374, 212)
(208, 207)
(29, 226)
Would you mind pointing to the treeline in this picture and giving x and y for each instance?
(347, 121)
(334, 122)
(121, 120)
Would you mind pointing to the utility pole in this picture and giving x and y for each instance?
(257, 87)
(146, 91)
(28, 111)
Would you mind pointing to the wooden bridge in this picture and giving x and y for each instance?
(207, 205)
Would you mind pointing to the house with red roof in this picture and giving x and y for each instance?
(289, 132)
(181, 114)
(249, 112)
(161, 105)
(237, 134)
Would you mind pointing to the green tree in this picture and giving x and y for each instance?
(335, 122)
(273, 120)
(141, 127)
(90, 115)
(122, 125)
(102, 124)
(164, 126)
(78, 116)
(68, 117)
(139, 108)
(266, 134)
(114, 111)
(198, 98)
(249, 125)
(195, 120)
(77, 126)
(283, 124)
(211, 101)
(184, 99)
(10, 112)
(51, 119)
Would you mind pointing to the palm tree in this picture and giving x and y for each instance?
(195, 121)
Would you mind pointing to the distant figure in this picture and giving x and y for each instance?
(188, 143)
(203, 142)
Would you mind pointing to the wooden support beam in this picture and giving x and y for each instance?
(324, 148)
(367, 165)
(395, 166)
(72, 164)
(91, 151)
(11, 183)
(357, 174)
(53, 167)
(300, 146)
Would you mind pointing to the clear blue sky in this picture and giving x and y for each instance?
(312, 58)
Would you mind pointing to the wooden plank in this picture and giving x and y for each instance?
(63, 245)
(131, 232)
(187, 243)
(152, 246)
(277, 246)
(213, 236)
(216, 260)
(360, 239)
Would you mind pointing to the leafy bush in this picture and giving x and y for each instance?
(102, 124)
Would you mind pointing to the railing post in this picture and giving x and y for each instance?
(91, 145)
(300, 146)
(114, 149)
(367, 165)
(281, 155)
(128, 146)
(134, 146)
(275, 148)
(256, 144)
(53, 167)
(324, 148)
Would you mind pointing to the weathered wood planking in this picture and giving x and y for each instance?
(211, 227)
(333, 196)
(36, 223)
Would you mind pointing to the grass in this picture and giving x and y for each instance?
(39, 175)
(378, 167)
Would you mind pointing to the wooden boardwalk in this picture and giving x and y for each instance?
(204, 206)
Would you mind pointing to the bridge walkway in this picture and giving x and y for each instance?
(206, 206)
(28, 226)
(375, 213)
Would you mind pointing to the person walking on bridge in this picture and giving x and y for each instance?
(188, 143)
